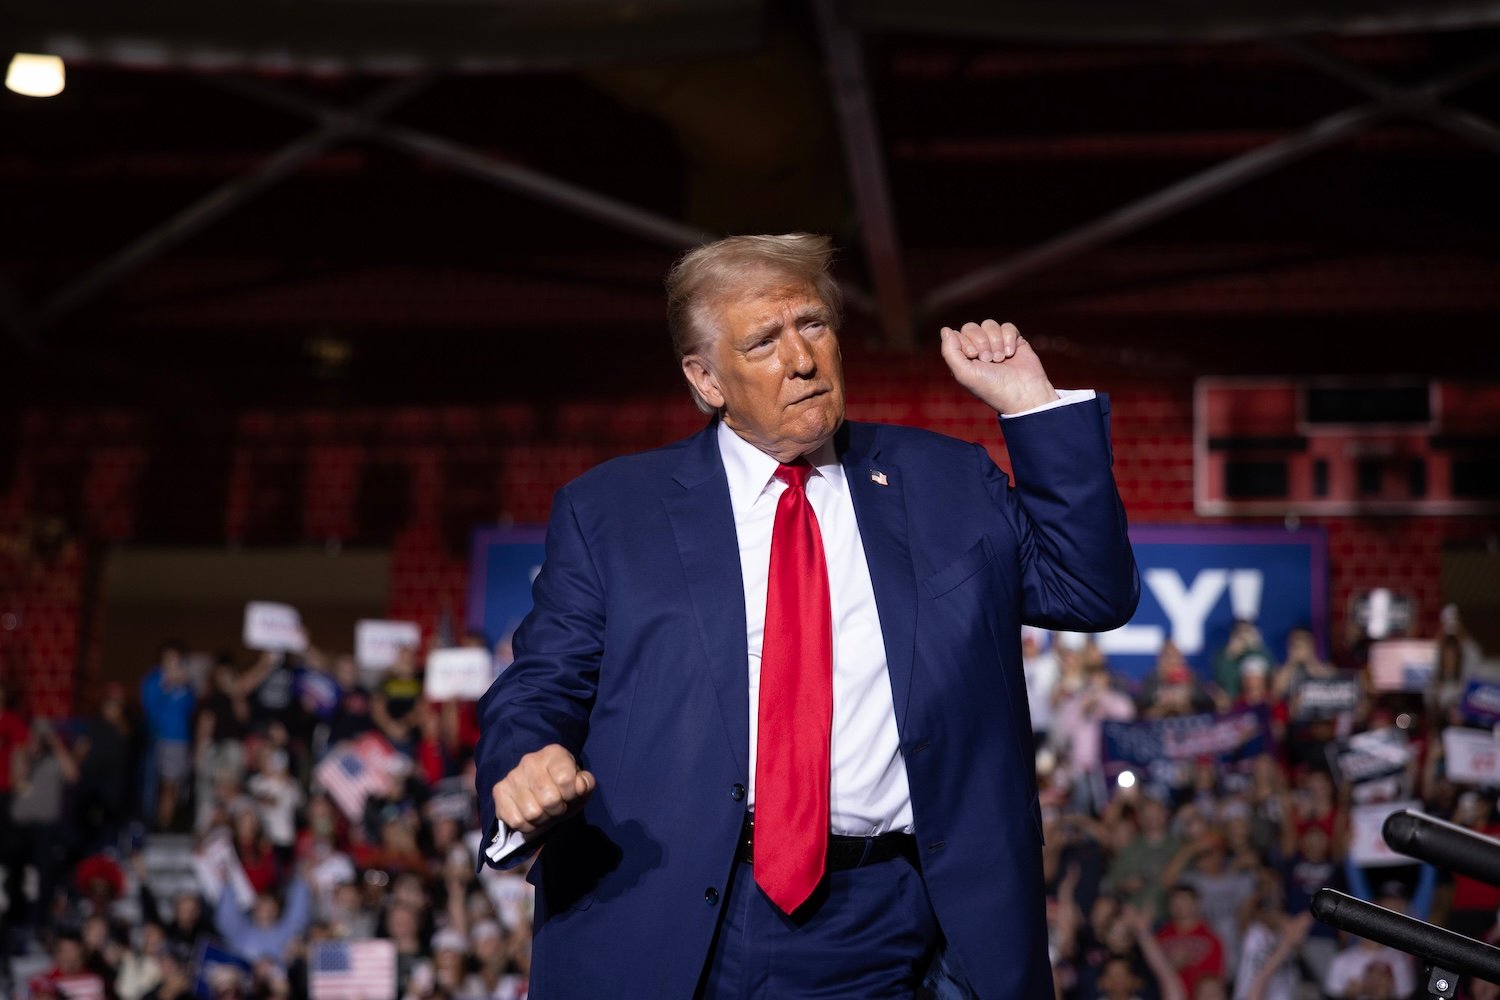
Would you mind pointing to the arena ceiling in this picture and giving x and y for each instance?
(400, 200)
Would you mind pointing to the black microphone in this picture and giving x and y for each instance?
(1432, 945)
(1444, 844)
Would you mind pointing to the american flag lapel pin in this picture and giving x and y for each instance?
(879, 478)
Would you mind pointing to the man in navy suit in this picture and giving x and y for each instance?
(621, 745)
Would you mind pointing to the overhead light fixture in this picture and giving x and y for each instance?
(35, 75)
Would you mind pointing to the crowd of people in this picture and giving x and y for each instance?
(1188, 882)
(285, 861)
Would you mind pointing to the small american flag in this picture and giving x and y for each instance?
(352, 772)
(352, 970)
(879, 478)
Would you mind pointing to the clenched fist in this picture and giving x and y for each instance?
(995, 363)
(545, 787)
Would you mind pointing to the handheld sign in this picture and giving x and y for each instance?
(377, 643)
(1402, 664)
(1471, 756)
(273, 628)
(464, 673)
(1367, 844)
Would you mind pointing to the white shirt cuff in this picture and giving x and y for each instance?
(1065, 397)
(504, 844)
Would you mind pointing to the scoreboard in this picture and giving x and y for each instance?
(1345, 446)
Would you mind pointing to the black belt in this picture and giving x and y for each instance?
(844, 852)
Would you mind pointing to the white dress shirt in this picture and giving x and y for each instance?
(868, 794)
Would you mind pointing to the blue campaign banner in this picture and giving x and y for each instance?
(502, 564)
(1162, 747)
(1197, 579)
(1481, 703)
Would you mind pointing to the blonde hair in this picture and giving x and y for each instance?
(704, 275)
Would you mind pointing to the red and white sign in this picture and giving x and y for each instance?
(1471, 756)
(1367, 844)
(464, 673)
(1402, 664)
(274, 628)
(377, 643)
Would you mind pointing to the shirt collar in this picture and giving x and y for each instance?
(751, 470)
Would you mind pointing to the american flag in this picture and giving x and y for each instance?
(352, 970)
(352, 772)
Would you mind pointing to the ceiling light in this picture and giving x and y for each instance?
(35, 75)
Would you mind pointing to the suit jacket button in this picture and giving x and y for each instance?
(737, 791)
(711, 895)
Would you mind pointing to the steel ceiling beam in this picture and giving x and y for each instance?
(534, 184)
(336, 125)
(1201, 186)
(1425, 107)
(867, 177)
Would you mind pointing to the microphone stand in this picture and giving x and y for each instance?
(1447, 955)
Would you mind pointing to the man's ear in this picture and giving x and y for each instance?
(702, 378)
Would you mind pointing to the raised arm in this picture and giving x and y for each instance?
(1078, 569)
(1168, 981)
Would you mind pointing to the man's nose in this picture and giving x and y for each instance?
(799, 356)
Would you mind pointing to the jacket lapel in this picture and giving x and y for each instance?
(702, 520)
(878, 492)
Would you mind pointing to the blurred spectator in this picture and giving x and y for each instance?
(1172, 688)
(102, 805)
(397, 701)
(1040, 666)
(1222, 889)
(42, 770)
(140, 967)
(267, 931)
(176, 978)
(254, 850)
(186, 924)
(1244, 652)
(1310, 727)
(69, 978)
(351, 714)
(1267, 967)
(1136, 872)
(1474, 903)
(1079, 723)
(278, 796)
(222, 727)
(1310, 868)
(167, 701)
(1191, 946)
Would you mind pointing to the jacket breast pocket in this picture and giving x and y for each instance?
(961, 569)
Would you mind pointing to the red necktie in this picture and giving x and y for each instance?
(795, 715)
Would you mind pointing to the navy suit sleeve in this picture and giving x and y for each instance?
(1077, 568)
(546, 694)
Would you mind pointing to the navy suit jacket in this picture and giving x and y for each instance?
(634, 659)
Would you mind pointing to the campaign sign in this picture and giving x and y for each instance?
(1196, 580)
(463, 673)
(377, 644)
(1367, 846)
(1324, 697)
(273, 628)
(1481, 703)
(1471, 756)
(1402, 664)
(1373, 755)
(1160, 747)
(502, 565)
